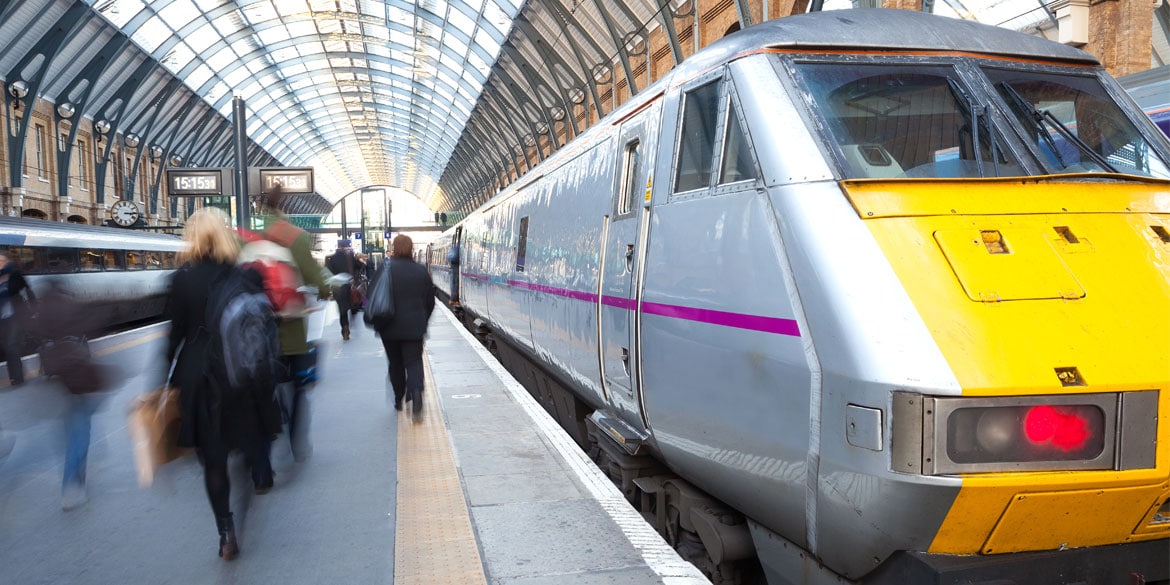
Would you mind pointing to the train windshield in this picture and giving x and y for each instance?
(1074, 124)
(897, 121)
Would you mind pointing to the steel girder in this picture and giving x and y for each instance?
(151, 113)
(118, 102)
(83, 85)
(38, 59)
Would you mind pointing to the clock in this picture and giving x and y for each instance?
(125, 212)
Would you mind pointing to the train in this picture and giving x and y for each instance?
(1151, 90)
(857, 296)
(122, 275)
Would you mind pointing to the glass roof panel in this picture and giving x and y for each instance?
(394, 115)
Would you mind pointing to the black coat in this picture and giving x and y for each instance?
(208, 420)
(414, 299)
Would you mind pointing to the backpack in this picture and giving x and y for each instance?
(244, 350)
(280, 276)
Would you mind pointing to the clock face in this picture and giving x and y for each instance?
(125, 213)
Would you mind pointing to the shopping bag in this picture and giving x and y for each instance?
(154, 431)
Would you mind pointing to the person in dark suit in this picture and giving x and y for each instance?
(213, 423)
(342, 262)
(402, 336)
(15, 294)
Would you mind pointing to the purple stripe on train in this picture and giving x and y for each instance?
(723, 318)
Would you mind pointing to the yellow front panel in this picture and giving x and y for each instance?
(1113, 327)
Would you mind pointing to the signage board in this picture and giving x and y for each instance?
(201, 182)
(290, 179)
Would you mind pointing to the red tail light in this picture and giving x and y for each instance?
(1065, 428)
(1028, 433)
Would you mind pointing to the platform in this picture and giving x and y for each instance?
(484, 489)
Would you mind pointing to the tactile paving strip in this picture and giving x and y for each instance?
(434, 543)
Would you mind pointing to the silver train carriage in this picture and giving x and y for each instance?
(122, 274)
(870, 296)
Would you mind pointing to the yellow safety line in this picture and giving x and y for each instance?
(129, 344)
(433, 543)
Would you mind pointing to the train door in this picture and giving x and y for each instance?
(620, 263)
(453, 260)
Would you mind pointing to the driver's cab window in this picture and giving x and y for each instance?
(895, 121)
(1074, 124)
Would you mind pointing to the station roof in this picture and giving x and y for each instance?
(446, 99)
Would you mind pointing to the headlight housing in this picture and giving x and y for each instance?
(948, 435)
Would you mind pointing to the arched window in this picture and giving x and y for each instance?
(34, 214)
(77, 219)
(733, 28)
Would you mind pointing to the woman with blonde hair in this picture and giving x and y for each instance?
(213, 423)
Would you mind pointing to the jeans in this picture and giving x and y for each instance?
(405, 367)
(12, 336)
(77, 431)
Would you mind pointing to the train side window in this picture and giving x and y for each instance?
(168, 260)
(738, 163)
(90, 260)
(25, 258)
(115, 260)
(135, 260)
(697, 138)
(630, 161)
(153, 260)
(522, 245)
(60, 260)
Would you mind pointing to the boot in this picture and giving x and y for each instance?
(345, 333)
(228, 547)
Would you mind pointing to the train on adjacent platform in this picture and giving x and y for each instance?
(862, 296)
(121, 274)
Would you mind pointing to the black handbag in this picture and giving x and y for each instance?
(379, 310)
(59, 356)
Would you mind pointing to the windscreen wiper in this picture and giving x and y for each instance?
(1039, 117)
(974, 113)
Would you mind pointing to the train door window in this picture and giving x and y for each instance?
(631, 158)
(135, 260)
(522, 245)
(738, 162)
(89, 260)
(697, 138)
(115, 260)
(60, 260)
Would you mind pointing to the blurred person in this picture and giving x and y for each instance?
(64, 326)
(15, 299)
(361, 283)
(213, 422)
(342, 262)
(298, 356)
(402, 337)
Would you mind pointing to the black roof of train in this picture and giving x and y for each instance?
(884, 29)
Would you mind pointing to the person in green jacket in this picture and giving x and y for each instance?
(298, 355)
